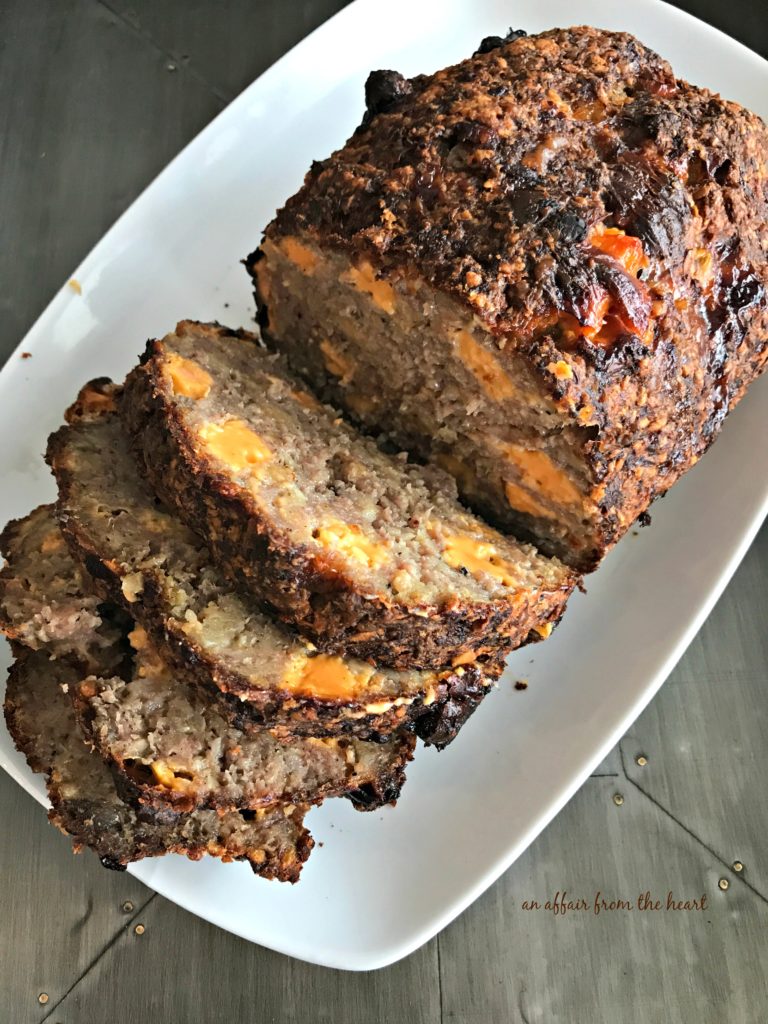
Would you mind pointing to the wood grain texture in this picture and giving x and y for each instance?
(90, 115)
(705, 735)
(103, 95)
(182, 969)
(501, 962)
(58, 912)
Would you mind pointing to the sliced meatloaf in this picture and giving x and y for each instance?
(544, 267)
(366, 554)
(144, 559)
(169, 745)
(86, 806)
(165, 743)
(43, 603)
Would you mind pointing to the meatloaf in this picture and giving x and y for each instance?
(166, 745)
(43, 600)
(366, 554)
(86, 806)
(161, 573)
(544, 267)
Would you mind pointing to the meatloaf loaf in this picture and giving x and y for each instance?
(366, 554)
(544, 267)
(166, 745)
(86, 806)
(144, 559)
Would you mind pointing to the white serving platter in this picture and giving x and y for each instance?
(384, 883)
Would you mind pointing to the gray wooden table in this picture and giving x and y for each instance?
(95, 98)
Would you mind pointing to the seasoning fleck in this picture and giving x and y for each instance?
(26, 355)
(75, 285)
(521, 684)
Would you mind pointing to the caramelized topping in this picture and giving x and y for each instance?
(485, 366)
(234, 443)
(364, 279)
(349, 540)
(625, 249)
(624, 304)
(187, 377)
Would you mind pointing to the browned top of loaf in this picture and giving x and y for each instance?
(487, 175)
(489, 178)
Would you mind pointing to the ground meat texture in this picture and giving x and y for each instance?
(86, 806)
(366, 554)
(43, 603)
(170, 746)
(142, 558)
(544, 268)
(166, 744)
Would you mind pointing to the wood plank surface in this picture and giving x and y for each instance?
(98, 96)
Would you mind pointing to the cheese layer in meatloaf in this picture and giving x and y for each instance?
(170, 746)
(544, 267)
(167, 745)
(87, 807)
(145, 560)
(364, 553)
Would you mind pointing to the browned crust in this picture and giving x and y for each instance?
(443, 180)
(457, 694)
(155, 830)
(297, 583)
(8, 542)
(137, 785)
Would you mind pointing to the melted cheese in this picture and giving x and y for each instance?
(335, 362)
(304, 398)
(364, 279)
(349, 540)
(478, 557)
(524, 502)
(540, 474)
(51, 542)
(166, 775)
(326, 676)
(234, 443)
(187, 377)
(299, 254)
(485, 367)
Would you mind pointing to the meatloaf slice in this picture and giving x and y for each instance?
(43, 600)
(544, 267)
(167, 745)
(86, 806)
(364, 553)
(144, 559)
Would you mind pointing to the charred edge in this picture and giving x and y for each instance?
(339, 620)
